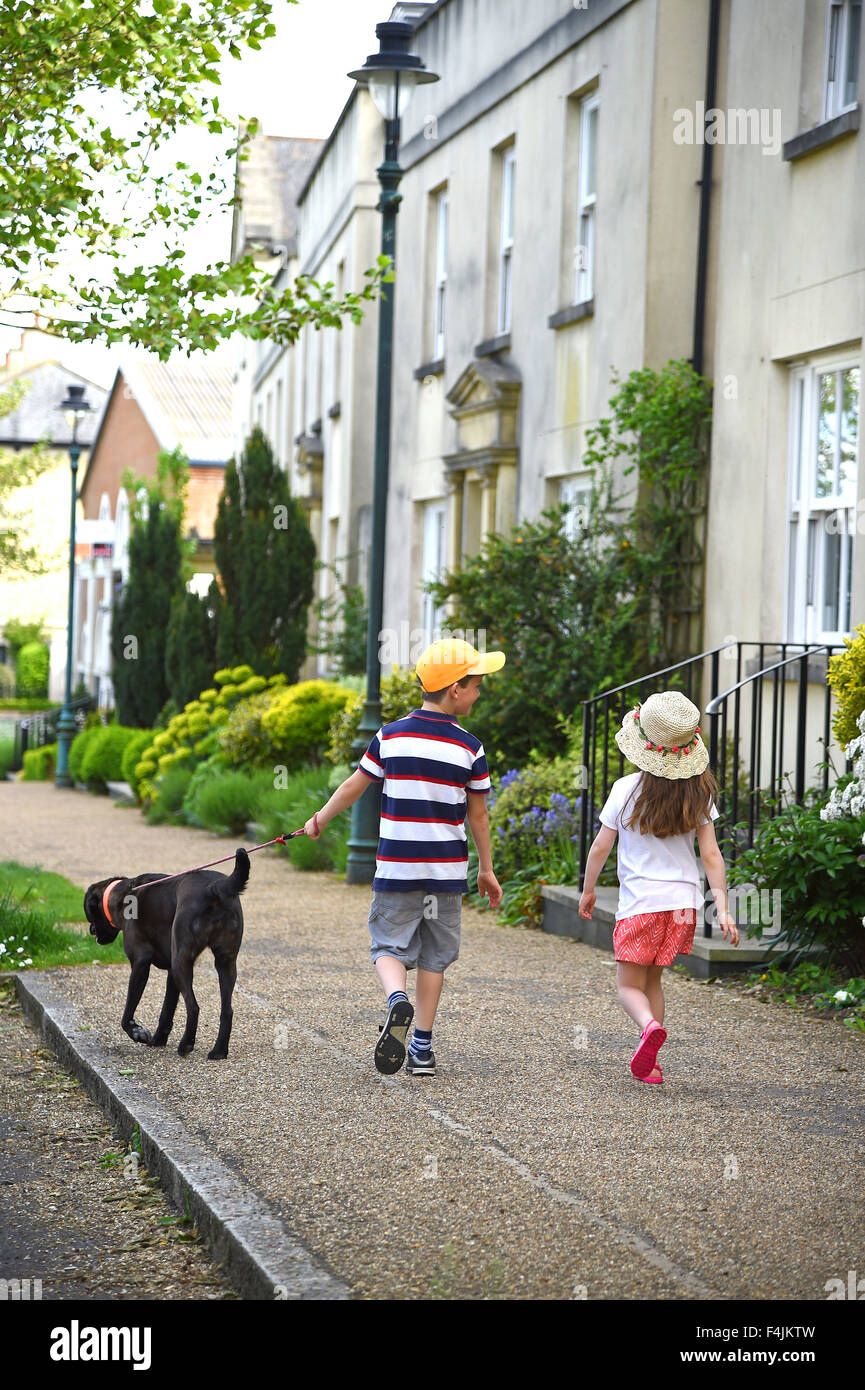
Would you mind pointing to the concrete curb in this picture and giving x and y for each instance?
(247, 1238)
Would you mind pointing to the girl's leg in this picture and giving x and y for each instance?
(654, 993)
(631, 980)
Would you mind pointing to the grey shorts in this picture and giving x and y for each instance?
(419, 927)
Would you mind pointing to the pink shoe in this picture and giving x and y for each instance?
(652, 1040)
(653, 1080)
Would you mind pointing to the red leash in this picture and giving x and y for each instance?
(280, 840)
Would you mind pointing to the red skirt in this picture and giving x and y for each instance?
(655, 938)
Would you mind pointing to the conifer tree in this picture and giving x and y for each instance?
(265, 556)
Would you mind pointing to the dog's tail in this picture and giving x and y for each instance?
(233, 884)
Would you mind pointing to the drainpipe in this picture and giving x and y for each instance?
(705, 182)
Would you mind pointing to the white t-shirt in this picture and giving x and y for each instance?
(655, 875)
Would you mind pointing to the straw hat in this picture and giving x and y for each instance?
(663, 736)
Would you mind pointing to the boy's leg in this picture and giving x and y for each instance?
(392, 974)
(631, 981)
(654, 992)
(427, 995)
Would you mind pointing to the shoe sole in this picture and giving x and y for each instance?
(643, 1060)
(390, 1048)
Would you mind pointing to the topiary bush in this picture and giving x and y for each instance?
(79, 747)
(133, 754)
(40, 764)
(103, 759)
(33, 662)
(242, 738)
(846, 675)
(297, 724)
(401, 692)
(190, 736)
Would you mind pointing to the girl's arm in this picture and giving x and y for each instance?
(716, 872)
(597, 858)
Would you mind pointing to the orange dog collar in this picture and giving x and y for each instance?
(113, 884)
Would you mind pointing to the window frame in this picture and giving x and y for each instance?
(506, 239)
(584, 278)
(808, 542)
(833, 87)
(431, 616)
(440, 277)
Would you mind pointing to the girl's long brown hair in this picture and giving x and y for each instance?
(666, 806)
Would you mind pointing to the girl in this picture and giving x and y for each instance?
(655, 813)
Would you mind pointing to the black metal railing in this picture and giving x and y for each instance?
(742, 773)
(35, 730)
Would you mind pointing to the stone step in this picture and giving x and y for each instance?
(709, 956)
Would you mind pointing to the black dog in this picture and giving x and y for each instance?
(169, 926)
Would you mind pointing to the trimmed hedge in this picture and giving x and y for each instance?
(40, 764)
(103, 759)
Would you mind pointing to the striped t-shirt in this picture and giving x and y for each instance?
(427, 764)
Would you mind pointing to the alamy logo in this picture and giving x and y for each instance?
(20, 1290)
(853, 1289)
(76, 1343)
(737, 126)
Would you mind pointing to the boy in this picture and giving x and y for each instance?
(434, 777)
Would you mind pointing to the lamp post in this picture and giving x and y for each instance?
(74, 408)
(391, 76)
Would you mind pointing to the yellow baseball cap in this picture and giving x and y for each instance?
(451, 659)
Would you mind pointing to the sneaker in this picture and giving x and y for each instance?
(420, 1066)
(390, 1048)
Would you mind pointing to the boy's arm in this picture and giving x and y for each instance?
(479, 824)
(346, 794)
(597, 858)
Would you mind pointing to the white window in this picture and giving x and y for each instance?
(576, 492)
(434, 564)
(844, 31)
(584, 287)
(441, 273)
(507, 240)
(824, 436)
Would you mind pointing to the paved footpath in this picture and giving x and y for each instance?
(533, 1166)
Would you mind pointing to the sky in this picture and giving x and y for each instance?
(296, 85)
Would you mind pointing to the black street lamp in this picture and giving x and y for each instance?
(74, 408)
(391, 76)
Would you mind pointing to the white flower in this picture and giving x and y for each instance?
(20, 950)
(28, 961)
(2, 947)
(842, 995)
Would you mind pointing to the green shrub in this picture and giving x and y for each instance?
(242, 737)
(7, 681)
(226, 803)
(297, 724)
(103, 760)
(7, 749)
(33, 661)
(524, 808)
(167, 800)
(400, 694)
(281, 810)
(190, 735)
(40, 763)
(846, 676)
(79, 747)
(133, 754)
(816, 866)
